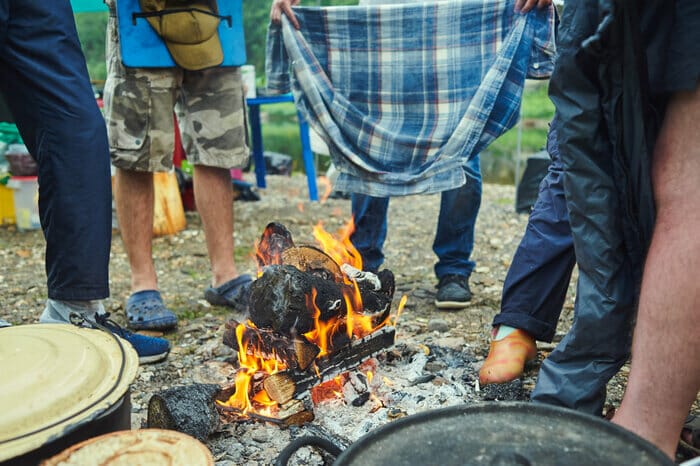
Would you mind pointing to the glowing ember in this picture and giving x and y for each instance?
(332, 389)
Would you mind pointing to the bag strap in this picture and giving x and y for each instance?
(150, 14)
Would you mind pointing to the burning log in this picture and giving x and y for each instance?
(292, 413)
(296, 353)
(312, 260)
(286, 299)
(189, 409)
(273, 241)
(287, 385)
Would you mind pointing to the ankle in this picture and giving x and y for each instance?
(59, 311)
(502, 331)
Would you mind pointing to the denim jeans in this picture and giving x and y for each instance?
(47, 88)
(454, 238)
(538, 278)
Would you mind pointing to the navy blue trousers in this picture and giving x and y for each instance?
(44, 79)
(454, 238)
(538, 278)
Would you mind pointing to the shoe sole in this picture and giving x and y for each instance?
(216, 299)
(157, 324)
(153, 358)
(451, 305)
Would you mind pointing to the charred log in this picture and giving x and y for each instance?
(189, 409)
(292, 413)
(296, 353)
(282, 300)
(273, 241)
(287, 385)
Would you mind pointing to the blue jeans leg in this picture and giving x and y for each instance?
(45, 82)
(454, 238)
(370, 216)
(538, 278)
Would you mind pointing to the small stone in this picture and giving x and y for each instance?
(395, 413)
(438, 325)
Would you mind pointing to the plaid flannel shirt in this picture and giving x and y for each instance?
(405, 94)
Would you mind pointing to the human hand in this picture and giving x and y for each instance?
(280, 6)
(523, 6)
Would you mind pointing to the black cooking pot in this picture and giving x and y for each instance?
(499, 434)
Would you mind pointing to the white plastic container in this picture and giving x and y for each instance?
(26, 197)
(248, 78)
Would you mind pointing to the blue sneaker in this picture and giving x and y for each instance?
(149, 349)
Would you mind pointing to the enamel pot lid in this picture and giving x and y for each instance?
(153, 447)
(56, 377)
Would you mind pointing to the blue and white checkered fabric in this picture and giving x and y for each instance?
(404, 94)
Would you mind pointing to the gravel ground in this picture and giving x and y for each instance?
(198, 354)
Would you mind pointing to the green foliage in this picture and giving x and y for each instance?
(256, 17)
(92, 28)
(499, 161)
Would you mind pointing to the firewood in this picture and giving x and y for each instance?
(287, 385)
(281, 299)
(295, 413)
(273, 241)
(305, 352)
(295, 352)
(311, 259)
(189, 409)
(280, 387)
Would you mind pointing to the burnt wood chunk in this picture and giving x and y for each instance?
(281, 300)
(188, 408)
(290, 384)
(295, 413)
(273, 241)
(296, 352)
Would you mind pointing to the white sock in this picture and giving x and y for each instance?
(504, 331)
(58, 312)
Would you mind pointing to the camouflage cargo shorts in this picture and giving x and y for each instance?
(139, 105)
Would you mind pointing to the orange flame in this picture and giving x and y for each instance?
(327, 188)
(341, 250)
(323, 331)
(250, 364)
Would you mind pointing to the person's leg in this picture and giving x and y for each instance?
(537, 281)
(139, 114)
(46, 85)
(454, 239)
(370, 218)
(664, 375)
(212, 118)
(214, 194)
(133, 195)
(538, 278)
(576, 373)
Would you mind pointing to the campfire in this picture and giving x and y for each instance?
(314, 316)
